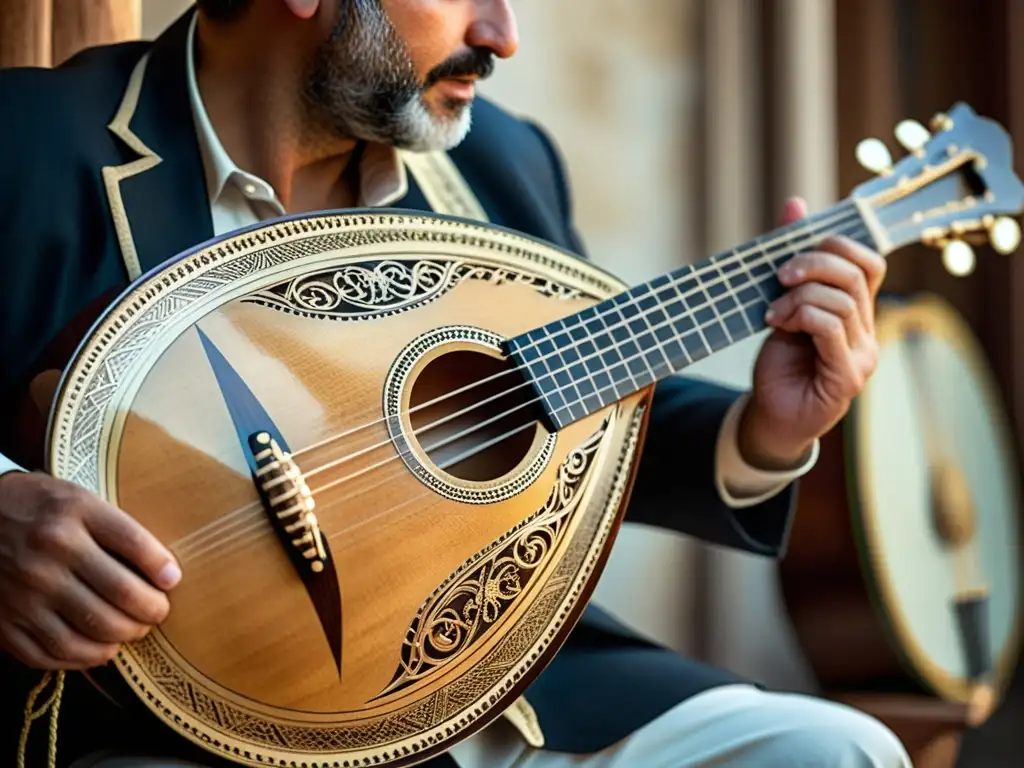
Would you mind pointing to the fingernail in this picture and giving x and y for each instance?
(169, 575)
(769, 315)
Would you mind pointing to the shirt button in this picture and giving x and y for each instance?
(250, 189)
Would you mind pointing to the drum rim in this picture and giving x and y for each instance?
(940, 317)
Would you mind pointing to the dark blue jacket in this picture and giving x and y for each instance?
(61, 262)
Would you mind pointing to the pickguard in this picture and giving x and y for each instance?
(251, 418)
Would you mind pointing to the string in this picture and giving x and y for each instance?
(261, 526)
(223, 518)
(812, 230)
(220, 542)
(739, 255)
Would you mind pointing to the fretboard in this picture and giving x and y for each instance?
(587, 361)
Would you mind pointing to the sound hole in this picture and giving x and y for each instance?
(473, 415)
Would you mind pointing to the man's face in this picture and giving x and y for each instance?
(403, 71)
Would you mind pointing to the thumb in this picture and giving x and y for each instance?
(794, 210)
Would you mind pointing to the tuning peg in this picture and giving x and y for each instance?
(912, 135)
(874, 156)
(1004, 234)
(958, 258)
(941, 122)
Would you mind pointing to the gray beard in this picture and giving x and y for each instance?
(362, 84)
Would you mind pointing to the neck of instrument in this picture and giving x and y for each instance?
(587, 361)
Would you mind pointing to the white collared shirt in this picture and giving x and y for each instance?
(240, 199)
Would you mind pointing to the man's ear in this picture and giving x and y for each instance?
(304, 9)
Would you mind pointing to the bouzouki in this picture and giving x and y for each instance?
(392, 450)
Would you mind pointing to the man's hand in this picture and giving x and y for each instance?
(821, 354)
(65, 601)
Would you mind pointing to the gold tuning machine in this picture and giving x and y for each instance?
(873, 155)
(958, 258)
(941, 122)
(913, 136)
(1004, 235)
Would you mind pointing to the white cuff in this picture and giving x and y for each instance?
(739, 484)
(6, 465)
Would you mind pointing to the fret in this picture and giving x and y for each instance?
(561, 362)
(585, 365)
(532, 351)
(612, 372)
(624, 341)
(694, 325)
(572, 372)
(658, 322)
(751, 282)
(619, 343)
(633, 307)
(713, 291)
(672, 331)
(727, 271)
(585, 362)
(695, 345)
(755, 294)
(627, 372)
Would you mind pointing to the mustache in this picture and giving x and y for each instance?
(478, 62)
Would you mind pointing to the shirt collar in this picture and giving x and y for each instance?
(382, 173)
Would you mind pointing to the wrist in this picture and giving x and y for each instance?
(764, 446)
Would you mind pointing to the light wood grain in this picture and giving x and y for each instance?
(25, 33)
(394, 540)
(80, 24)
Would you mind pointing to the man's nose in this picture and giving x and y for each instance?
(494, 28)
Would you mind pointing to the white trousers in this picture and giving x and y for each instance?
(735, 725)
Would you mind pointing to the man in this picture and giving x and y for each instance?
(250, 109)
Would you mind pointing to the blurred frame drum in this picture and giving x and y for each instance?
(904, 568)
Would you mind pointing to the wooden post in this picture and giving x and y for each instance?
(987, 72)
(1013, 345)
(79, 24)
(869, 101)
(44, 33)
(25, 39)
(802, 55)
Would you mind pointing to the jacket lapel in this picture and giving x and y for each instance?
(436, 184)
(158, 200)
(414, 199)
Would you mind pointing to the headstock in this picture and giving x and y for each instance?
(954, 188)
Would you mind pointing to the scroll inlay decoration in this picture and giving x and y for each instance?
(474, 599)
(367, 290)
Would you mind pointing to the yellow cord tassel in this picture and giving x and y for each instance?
(52, 705)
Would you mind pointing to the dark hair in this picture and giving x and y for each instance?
(223, 10)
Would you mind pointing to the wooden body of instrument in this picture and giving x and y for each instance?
(447, 592)
(392, 450)
(915, 505)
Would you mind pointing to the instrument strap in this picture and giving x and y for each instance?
(447, 192)
(443, 185)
